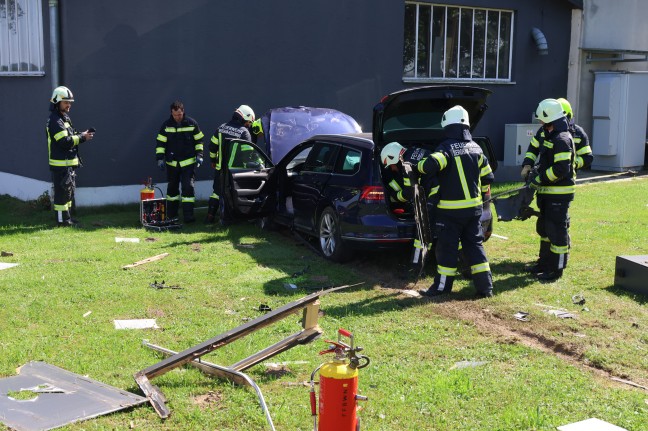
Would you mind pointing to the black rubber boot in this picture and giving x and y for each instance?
(172, 209)
(544, 259)
(212, 210)
(483, 284)
(188, 212)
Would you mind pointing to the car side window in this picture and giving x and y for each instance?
(321, 158)
(244, 156)
(348, 163)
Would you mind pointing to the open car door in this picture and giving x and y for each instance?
(248, 180)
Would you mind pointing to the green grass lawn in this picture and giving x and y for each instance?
(59, 303)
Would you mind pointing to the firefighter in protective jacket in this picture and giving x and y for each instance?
(63, 150)
(237, 128)
(555, 185)
(179, 150)
(584, 156)
(463, 174)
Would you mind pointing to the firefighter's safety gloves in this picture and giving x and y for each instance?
(525, 172)
(161, 164)
(534, 184)
(199, 161)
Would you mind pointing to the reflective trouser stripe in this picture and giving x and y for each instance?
(480, 267)
(65, 207)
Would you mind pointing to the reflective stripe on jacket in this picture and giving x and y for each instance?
(179, 143)
(233, 129)
(62, 140)
(462, 169)
(556, 163)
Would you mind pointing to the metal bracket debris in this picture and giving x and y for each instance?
(61, 398)
(311, 330)
(157, 285)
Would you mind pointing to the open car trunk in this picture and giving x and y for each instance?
(412, 117)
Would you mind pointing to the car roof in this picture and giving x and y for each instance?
(362, 140)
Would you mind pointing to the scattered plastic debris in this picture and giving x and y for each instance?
(522, 316)
(410, 292)
(264, 307)
(561, 314)
(118, 239)
(87, 313)
(467, 364)
(578, 299)
(157, 285)
(499, 236)
(7, 265)
(290, 286)
(592, 424)
(136, 324)
(6, 253)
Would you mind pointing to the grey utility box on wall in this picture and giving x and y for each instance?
(632, 273)
(516, 142)
(620, 116)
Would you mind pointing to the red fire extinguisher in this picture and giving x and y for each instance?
(148, 192)
(338, 386)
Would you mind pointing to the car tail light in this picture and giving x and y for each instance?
(372, 194)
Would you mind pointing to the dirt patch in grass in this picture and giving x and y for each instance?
(500, 327)
(212, 399)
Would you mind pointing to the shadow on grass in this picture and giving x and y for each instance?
(636, 297)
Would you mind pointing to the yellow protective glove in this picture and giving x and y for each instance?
(525, 172)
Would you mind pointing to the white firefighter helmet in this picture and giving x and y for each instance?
(246, 112)
(549, 110)
(566, 106)
(390, 155)
(455, 115)
(61, 93)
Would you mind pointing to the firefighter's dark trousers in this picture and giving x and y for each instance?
(214, 199)
(553, 227)
(64, 180)
(180, 177)
(450, 231)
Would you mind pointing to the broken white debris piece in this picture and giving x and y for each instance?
(592, 424)
(136, 324)
(118, 239)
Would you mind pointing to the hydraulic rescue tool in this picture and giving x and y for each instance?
(153, 212)
(515, 204)
(338, 386)
(423, 240)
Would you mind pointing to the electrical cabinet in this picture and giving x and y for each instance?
(620, 112)
(516, 142)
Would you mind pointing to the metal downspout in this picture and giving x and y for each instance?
(54, 42)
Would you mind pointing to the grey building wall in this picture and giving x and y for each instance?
(608, 29)
(127, 61)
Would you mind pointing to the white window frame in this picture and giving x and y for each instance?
(473, 78)
(21, 38)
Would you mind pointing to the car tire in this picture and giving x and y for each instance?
(330, 238)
